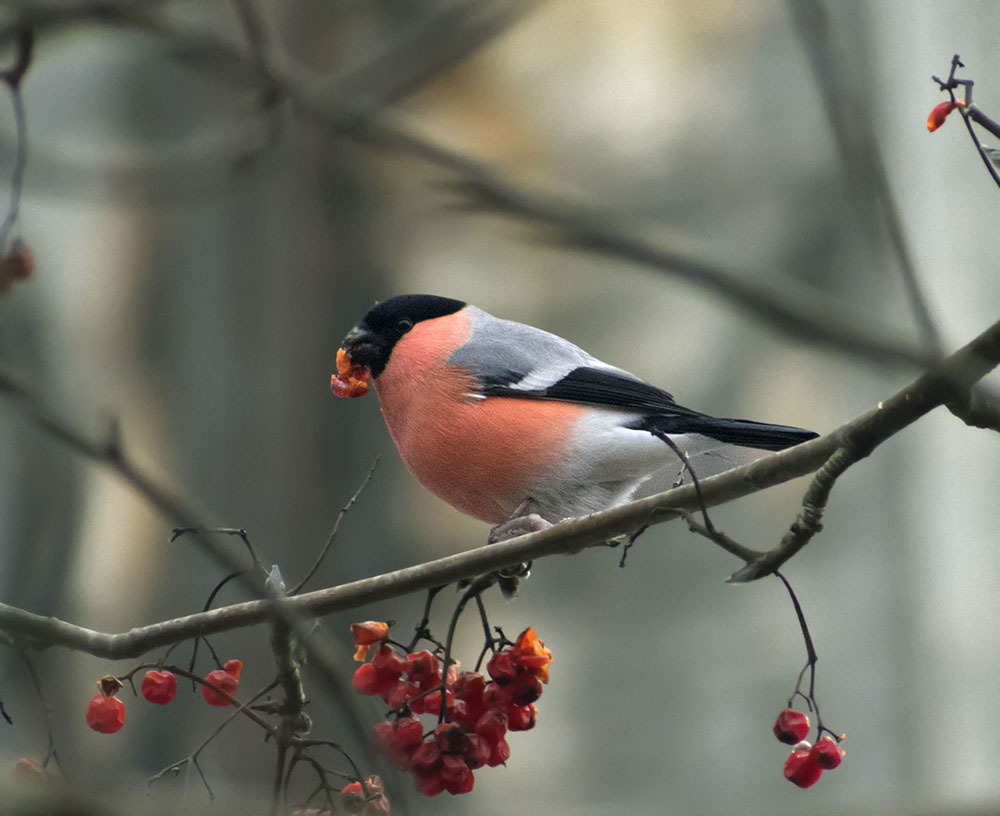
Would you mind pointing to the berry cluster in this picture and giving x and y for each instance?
(106, 713)
(474, 713)
(806, 763)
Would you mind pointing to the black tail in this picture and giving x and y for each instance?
(743, 432)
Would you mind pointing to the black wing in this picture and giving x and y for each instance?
(595, 386)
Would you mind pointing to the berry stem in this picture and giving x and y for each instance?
(810, 666)
(476, 588)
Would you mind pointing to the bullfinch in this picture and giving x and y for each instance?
(505, 421)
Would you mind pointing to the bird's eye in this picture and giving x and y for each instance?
(404, 325)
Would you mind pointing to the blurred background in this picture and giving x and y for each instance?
(202, 248)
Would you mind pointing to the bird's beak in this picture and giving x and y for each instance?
(359, 343)
(353, 364)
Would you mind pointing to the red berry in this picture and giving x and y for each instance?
(458, 711)
(385, 734)
(432, 702)
(418, 702)
(451, 738)
(496, 696)
(477, 751)
(492, 726)
(105, 714)
(469, 688)
(394, 743)
(525, 690)
(791, 726)
(499, 753)
(940, 112)
(366, 679)
(529, 653)
(159, 687)
(225, 687)
(368, 632)
(398, 694)
(389, 663)
(801, 767)
(428, 784)
(423, 669)
(521, 718)
(827, 754)
(233, 667)
(408, 732)
(456, 774)
(501, 668)
(427, 758)
(352, 797)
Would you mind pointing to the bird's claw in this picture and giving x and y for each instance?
(509, 577)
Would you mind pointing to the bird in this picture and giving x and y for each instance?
(517, 426)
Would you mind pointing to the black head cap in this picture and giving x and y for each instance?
(371, 342)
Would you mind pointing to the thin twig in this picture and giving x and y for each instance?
(475, 589)
(686, 465)
(809, 520)
(336, 526)
(720, 538)
(36, 681)
(852, 130)
(421, 631)
(192, 758)
(12, 77)
(969, 111)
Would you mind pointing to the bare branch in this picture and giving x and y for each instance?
(12, 77)
(859, 152)
(793, 308)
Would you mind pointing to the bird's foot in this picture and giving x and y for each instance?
(509, 577)
(521, 525)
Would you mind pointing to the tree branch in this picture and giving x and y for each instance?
(339, 113)
(946, 382)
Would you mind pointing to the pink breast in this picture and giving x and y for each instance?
(480, 456)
